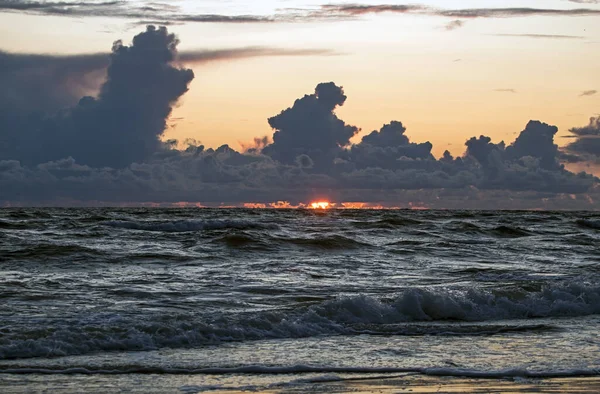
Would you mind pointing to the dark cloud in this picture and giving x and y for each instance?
(588, 93)
(586, 146)
(515, 12)
(108, 148)
(311, 127)
(122, 124)
(204, 56)
(536, 141)
(47, 83)
(389, 148)
(362, 9)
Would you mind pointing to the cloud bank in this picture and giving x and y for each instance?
(108, 149)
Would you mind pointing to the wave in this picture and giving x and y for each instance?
(329, 242)
(502, 231)
(11, 225)
(387, 223)
(49, 250)
(593, 224)
(188, 225)
(449, 312)
(510, 232)
(309, 369)
(243, 241)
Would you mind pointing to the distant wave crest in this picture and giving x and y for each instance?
(177, 226)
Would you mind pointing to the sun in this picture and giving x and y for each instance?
(320, 205)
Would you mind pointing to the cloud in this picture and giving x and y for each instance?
(586, 146)
(311, 127)
(455, 24)
(170, 14)
(473, 13)
(588, 93)
(123, 123)
(363, 9)
(48, 83)
(505, 90)
(35, 82)
(165, 12)
(108, 148)
(542, 36)
(341, 10)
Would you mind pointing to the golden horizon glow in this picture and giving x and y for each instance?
(321, 205)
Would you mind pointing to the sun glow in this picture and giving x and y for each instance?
(320, 205)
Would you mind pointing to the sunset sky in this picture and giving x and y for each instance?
(444, 85)
(448, 70)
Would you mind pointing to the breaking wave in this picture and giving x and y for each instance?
(449, 312)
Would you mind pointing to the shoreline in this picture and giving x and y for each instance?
(382, 384)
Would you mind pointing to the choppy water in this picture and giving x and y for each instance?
(262, 292)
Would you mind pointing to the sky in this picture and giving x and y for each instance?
(447, 70)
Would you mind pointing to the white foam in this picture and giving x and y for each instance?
(306, 369)
(341, 316)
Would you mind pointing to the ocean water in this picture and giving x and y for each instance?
(236, 298)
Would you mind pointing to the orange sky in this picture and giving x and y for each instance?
(441, 84)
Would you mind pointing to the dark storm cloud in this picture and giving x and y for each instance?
(122, 124)
(311, 127)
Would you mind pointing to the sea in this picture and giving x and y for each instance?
(194, 300)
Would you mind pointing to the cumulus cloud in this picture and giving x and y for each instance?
(586, 146)
(311, 127)
(108, 148)
(123, 123)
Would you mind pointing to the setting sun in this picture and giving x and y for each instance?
(320, 205)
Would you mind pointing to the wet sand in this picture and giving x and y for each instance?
(189, 384)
